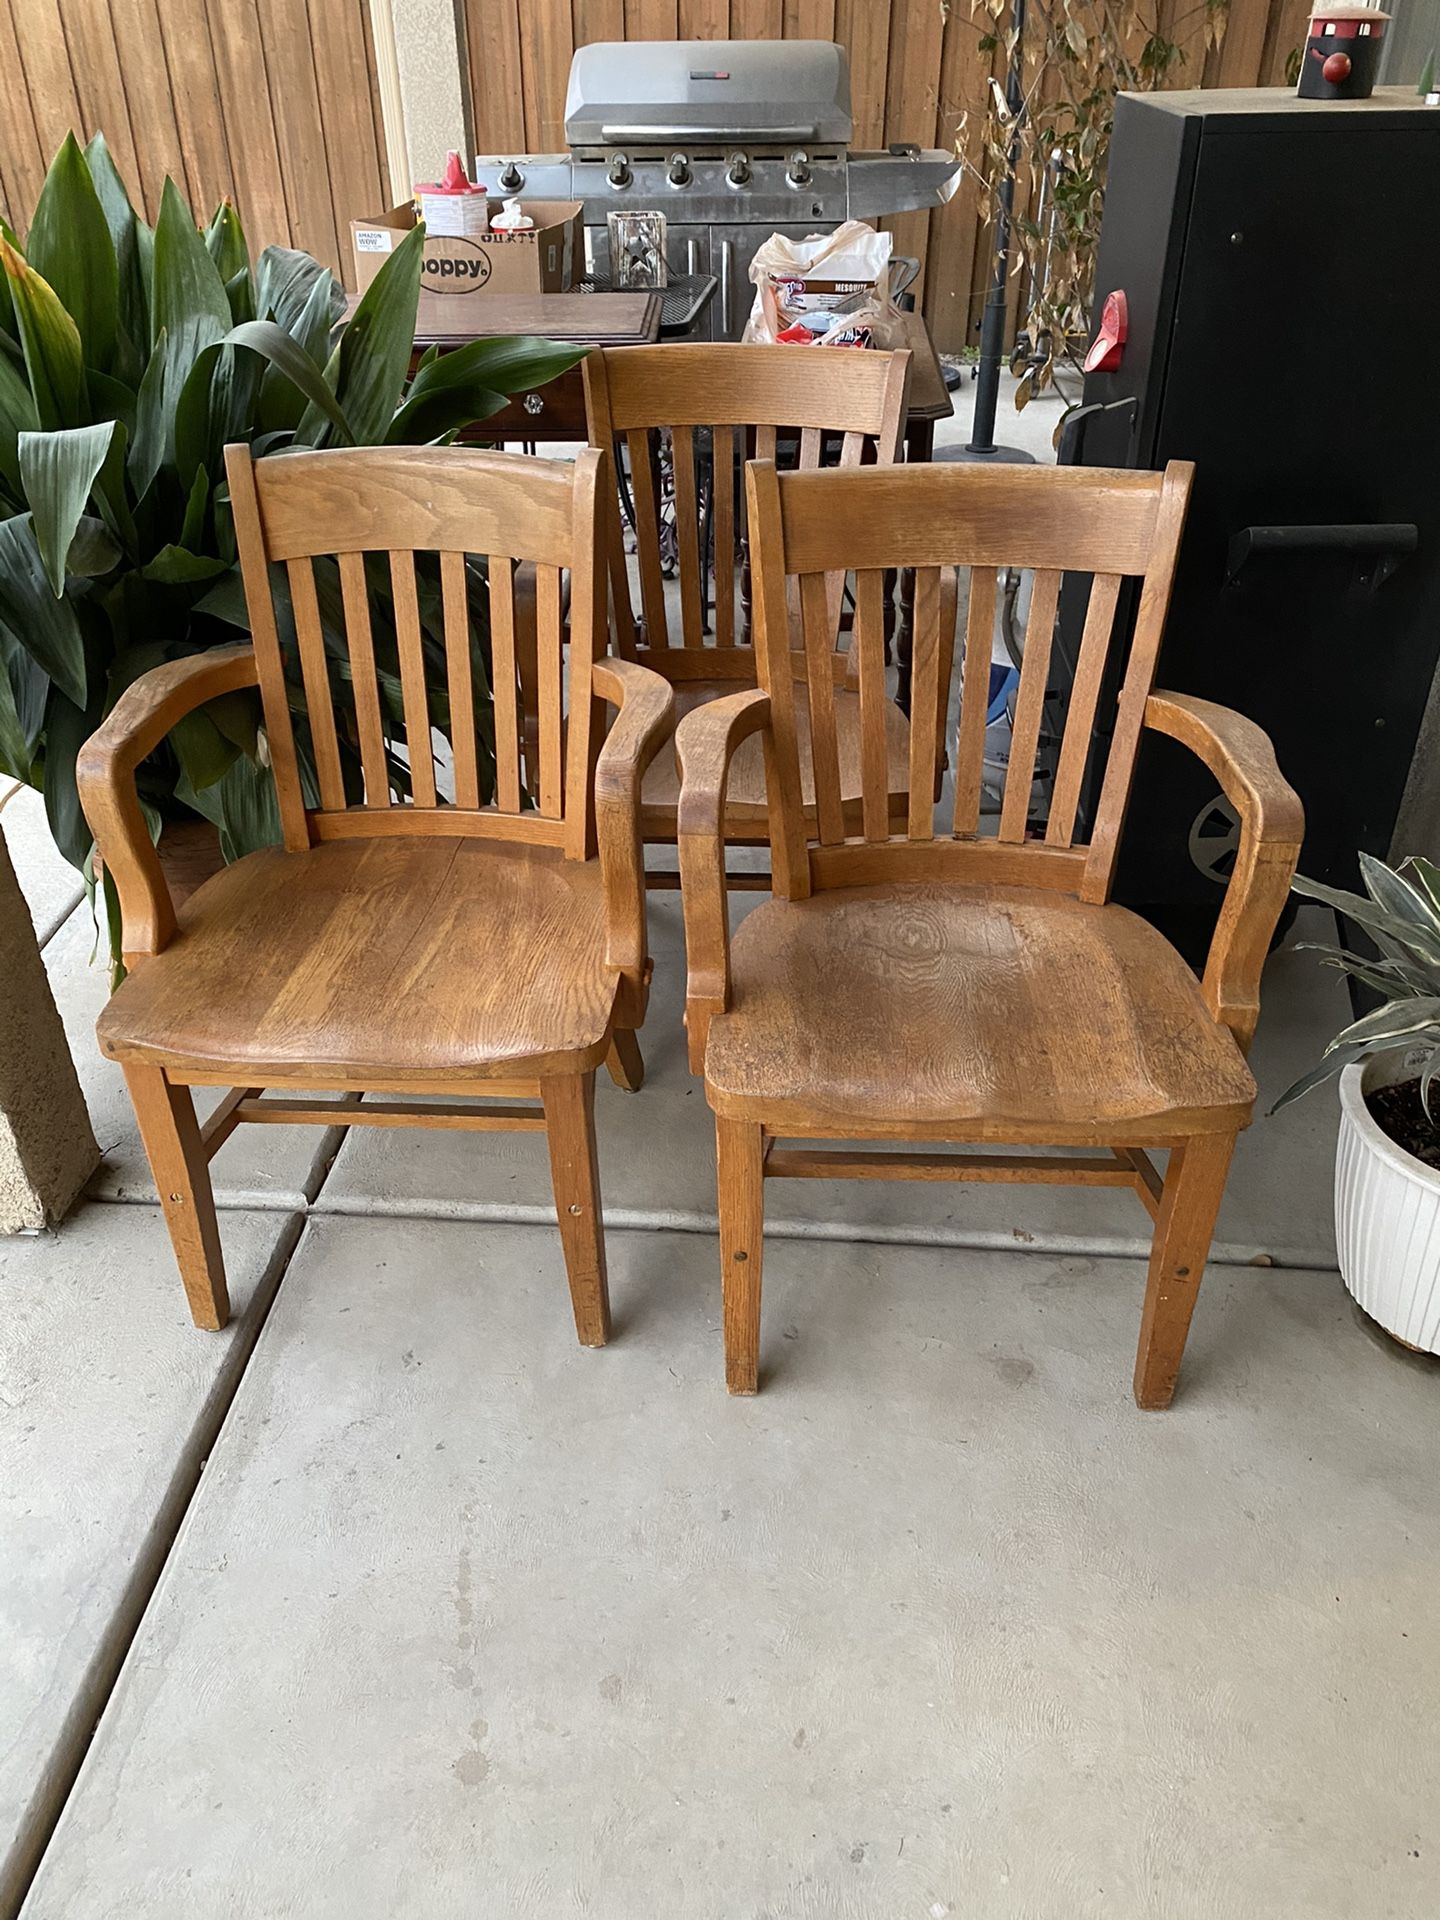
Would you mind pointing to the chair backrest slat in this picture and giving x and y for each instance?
(315, 673)
(408, 602)
(819, 636)
(974, 702)
(413, 691)
(460, 680)
(674, 414)
(1030, 704)
(722, 515)
(504, 681)
(647, 512)
(924, 699)
(687, 526)
(548, 619)
(1080, 713)
(364, 682)
(869, 648)
(937, 521)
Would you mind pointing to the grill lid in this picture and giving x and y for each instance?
(623, 92)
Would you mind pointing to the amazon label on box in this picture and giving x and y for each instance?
(547, 259)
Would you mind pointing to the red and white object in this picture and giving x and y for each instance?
(1108, 349)
(453, 207)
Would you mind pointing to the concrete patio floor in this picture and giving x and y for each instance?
(391, 1601)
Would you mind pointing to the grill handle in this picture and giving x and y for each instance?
(615, 135)
(727, 253)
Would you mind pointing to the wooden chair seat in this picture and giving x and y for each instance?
(745, 809)
(416, 959)
(978, 1012)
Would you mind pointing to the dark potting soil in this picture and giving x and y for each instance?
(1397, 1111)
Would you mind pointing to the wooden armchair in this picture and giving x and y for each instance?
(401, 942)
(935, 985)
(731, 399)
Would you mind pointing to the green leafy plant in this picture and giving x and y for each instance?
(1400, 910)
(1076, 55)
(129, 358)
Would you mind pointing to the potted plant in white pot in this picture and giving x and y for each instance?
(1387, 1165)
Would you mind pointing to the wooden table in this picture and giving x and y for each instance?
(557, 412)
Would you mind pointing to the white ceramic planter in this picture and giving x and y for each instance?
(1387, 1213)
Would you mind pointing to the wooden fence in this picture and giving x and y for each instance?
(275, 103)
(915, 66)
(272, 102)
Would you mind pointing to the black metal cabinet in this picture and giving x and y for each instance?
(1280, 281)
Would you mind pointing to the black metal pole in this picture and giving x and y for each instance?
(992, 324)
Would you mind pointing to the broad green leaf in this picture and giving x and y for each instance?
(192, 527)
(176, 566)
(46, 628)
(1376, 920)
(240, 292)
(472, 383)
(1396, 1021)
(285, 280)
(58, 471)
(1427, 878)
(226, 601)
(93, 551)
(1415, 920)
(67, 728)
(1345, 1057)
(133, 242)
(70, 245)
(368, 368)
(242, 804)
(15, 741)
(189, 312)
(282, 404)
(188, 302)
(17, 416)
(204, 752)
(290, 359)
(225, 241)
(50, 340)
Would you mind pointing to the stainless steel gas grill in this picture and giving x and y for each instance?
(732, 140)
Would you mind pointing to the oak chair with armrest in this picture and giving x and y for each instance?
(401, 942)
(819, 402)
(932, 985)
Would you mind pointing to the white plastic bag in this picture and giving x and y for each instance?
(832, 290)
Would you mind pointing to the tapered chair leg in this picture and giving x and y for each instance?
(1194, 1184)
(740, 1158)
(170, 1134)
(624, 1062)
(575, 1173)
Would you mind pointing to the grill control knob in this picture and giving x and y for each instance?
(798, 173)
(511, 178)
(679, 174)
(620, 175)
(738, 172)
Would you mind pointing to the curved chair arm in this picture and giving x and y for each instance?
(646, 704)
(1272, 826)
(105, 776)
(706, 741)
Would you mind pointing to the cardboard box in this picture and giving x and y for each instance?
(547, 259)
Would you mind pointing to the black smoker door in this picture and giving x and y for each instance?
(1300, 380)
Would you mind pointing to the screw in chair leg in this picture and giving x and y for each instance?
(740, 1155)
(569, 1101)
(1194, 1184)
